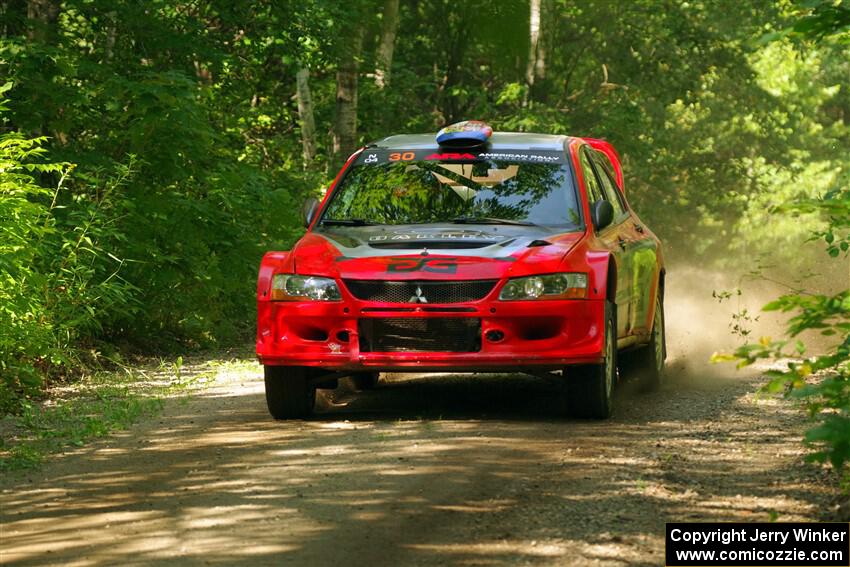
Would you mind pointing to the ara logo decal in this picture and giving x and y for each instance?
(434, 265)
(450, 156)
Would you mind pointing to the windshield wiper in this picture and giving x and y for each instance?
(348, 222)
(489, 220)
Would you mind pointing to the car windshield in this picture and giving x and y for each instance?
(480, 191)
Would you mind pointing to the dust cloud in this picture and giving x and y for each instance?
(702, 319)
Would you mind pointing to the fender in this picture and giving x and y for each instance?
(654, 293)
(599, 263)
(280, 261)
(657, 285)
(272, 262)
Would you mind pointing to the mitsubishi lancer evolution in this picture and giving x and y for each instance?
(468, 251)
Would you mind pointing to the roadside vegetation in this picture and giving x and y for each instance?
(818, 378)
(95, 406)
(151, 152)
(103, 402)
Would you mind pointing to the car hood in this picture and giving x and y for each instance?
(423, 252)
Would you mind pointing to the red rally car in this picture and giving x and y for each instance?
(470, 251)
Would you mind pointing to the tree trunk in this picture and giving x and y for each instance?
(387, 45)
(544, 31)
(5, 18)
(305, 115)
(345, 127)
(42, 16)
(111, 33)
(534, 42)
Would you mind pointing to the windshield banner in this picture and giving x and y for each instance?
(378, 157)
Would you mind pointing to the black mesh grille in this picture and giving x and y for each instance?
(420, 334)
(430, 291)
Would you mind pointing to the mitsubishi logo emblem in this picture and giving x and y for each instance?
(418, 298)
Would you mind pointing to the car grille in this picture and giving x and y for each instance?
(420, 334)
(430, 291)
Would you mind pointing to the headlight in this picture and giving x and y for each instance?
(288, 287)
(550, 286)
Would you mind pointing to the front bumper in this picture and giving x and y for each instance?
(536, 334)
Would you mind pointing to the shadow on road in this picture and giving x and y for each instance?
(438, 470)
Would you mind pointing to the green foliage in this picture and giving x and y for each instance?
(151, 239)
(25, 339)
(60, 283)
(822, 381)
(819, 20)
(835, 207)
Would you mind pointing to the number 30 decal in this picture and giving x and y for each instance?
(406, 156)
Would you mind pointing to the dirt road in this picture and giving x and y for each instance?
(465, 470)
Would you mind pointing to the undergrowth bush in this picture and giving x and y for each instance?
(822, 381)
(102, 255)
(59, 278)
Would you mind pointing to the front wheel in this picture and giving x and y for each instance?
(590, 387)
(289, 394)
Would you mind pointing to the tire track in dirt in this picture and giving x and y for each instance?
(445, 469)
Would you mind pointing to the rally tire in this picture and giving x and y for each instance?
(590, 387)
(289, 394)
(646, 364)
(364, 380)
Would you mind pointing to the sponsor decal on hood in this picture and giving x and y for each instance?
(433, 252)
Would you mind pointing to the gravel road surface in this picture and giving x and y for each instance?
(429, 470)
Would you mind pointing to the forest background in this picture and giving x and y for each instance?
(151, 151)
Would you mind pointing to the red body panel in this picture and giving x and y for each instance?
(536, 333)
(613, 157)
(542, 333)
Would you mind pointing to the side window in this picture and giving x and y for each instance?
(594, 191)
(609, 187)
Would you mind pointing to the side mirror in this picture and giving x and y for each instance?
(602, 214)
(309, 210)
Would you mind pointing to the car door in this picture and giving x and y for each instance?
(640, 250)
(612, 238)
